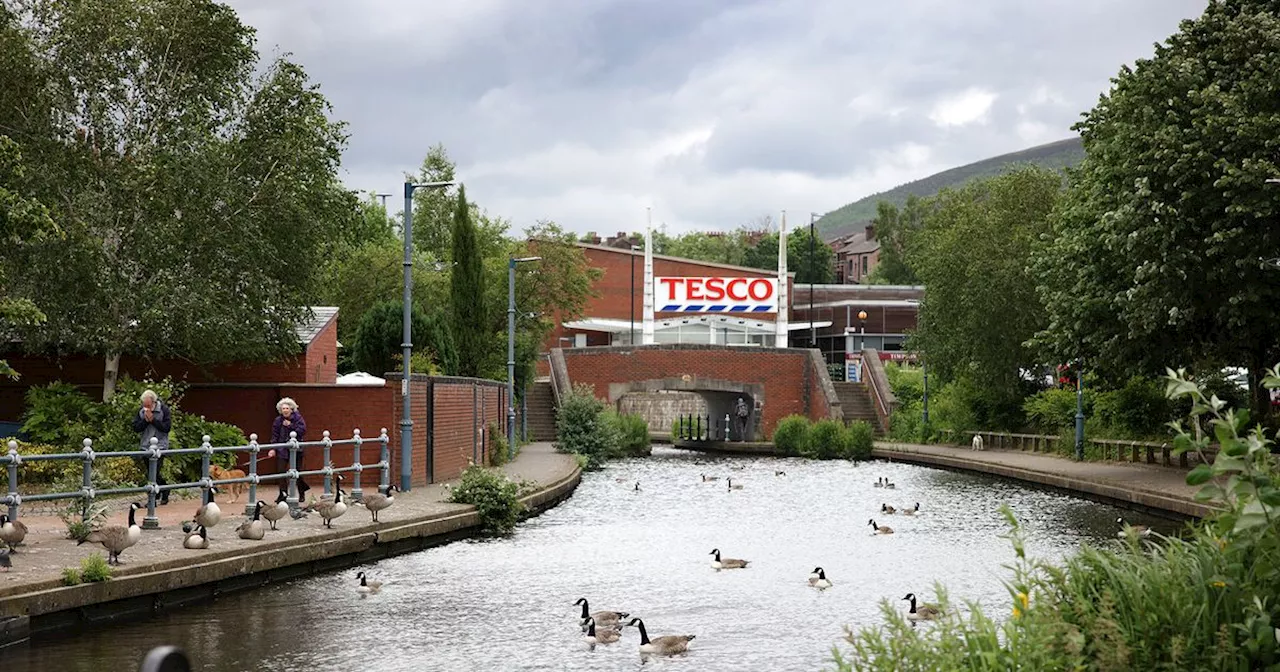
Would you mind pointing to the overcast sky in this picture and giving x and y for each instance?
(712, 112)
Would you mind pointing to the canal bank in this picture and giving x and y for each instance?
(159, 574)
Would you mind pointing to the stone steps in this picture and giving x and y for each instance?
(542, 412)
(856, 401)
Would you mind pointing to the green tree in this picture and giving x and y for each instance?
(376, 347)
(896, 229)
(23, 221)
(719, 247)
(980, 305)
(197, 201)
(356, 278)
(818, 268)
(433, 209)
(1157, 254)
(471, 326)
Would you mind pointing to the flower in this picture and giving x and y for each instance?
(1218, 584)
(1019, 599)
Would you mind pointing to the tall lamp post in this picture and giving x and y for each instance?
(634, 248)
(1079, 410)
(813, 330)
(406, 421)
(511, 351)
(924, 367)
(862, 318)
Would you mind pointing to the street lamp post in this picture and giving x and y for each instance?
(862, 318)
(813, 330)
(511, 351)
(924, 367)
(633, 294)
(406, 421)
(1079, 411)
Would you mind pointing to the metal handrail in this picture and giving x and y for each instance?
(14, 459)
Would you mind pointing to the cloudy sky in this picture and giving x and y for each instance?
(712, 112)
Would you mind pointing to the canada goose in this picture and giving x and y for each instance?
(912, 512)
(1140, 530)
(278, 510)
(12, 532)
(366, 586)
(818, 579)
(779, 473)
(889, 485)
(880, 482)
(667, 645)
(378, 501)
(208, 514)
(706, 478)
(116, 538)
(924, 612)
(606, 636)
(5, 563)
(732, 486)
(726, 563)
(329, 510)
(197, 539)
(880, 529)
(603, 618)
(252, 528)
(886, 509)
(637, 486)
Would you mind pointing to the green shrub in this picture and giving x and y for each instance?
(791, 434)
(826, 440)
(54, 411)
(907, 382)
(496, 498)
(497, 446)
(582, 427)
(95, 569)
(675, 429)
(1138, 410)
(1050, 411)
(633, 434)
(43, 472)
(70, 576)
(861, 437)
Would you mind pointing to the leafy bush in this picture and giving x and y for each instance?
(1140, 409)
(675, 429)
(43, 472)
(861, 437)
(1201, 602)
(583, 429)
(496, 498)
(1052, 410)
(497, 446)
(54, 411)
(791, 434)
(376, 345)
(633, 433)
(826, 440)
(95, 569)
(70, 576)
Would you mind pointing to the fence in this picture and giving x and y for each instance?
(691, 427)
(1138, 451)
(14, 459)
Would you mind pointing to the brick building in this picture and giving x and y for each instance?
(856, 255)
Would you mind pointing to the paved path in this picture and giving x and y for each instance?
(47, 550)
(1144, 485)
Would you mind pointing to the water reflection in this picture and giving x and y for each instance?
(508, 604)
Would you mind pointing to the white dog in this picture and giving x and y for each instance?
(977, 442)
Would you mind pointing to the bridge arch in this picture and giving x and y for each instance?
(718, 397)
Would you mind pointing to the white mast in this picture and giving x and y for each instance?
(646, 334)
(781, 337)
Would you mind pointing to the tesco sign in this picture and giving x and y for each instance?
(715, 295)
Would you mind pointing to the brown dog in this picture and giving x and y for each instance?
(219, 474)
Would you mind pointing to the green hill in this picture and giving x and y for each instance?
(851, 217)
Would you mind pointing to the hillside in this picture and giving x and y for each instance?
(849, 218)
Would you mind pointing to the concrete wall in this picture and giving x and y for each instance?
(660, 409)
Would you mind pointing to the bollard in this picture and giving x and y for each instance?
(165, 659)
(726, 426)
(386, 460)
(357, 493)
(151, 521)
(292, 499)
(206, 459)
(328, 473)
(253, 476)
(697, 429)
(14, 459)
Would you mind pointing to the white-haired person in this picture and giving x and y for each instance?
(153, 421)
(288, 419)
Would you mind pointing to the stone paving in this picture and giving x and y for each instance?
(46, 550)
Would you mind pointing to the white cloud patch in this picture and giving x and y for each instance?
(964, 108)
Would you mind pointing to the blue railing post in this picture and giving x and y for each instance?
(253, 476)
(292, 499)
(151, 521)
(357, 493)
(386, 459)
(87, 483)
(328, 468)
(206, 459)
(14, 460)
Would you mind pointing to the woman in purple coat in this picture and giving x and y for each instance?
(289, 420)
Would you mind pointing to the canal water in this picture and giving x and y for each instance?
(507, 604)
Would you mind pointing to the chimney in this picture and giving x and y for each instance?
(871, 232)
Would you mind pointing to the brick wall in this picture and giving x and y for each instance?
(790, 384)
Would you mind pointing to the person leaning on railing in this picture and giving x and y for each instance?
(154, 421)
(289, 420)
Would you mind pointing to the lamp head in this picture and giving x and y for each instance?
(862, 314)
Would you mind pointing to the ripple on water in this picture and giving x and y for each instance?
(507, 604)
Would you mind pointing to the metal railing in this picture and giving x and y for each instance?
(14, 459)
(1148, 452)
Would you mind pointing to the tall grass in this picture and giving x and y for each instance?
(1209, 600)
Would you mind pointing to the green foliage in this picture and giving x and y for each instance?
(70, 576)
(357, 277)
(818, 267)
(792, 434)
(94, 569)
(583, 428)
(861, 438)
(632, 431)
(1052, 410)
(21, 220)
(1139, 409)
(826, 440)
(496, 498)
(497, 445)
(376, 346)
(433, 208)
(54, 412)
(1160, 242)
(897, 231)
(471, 332)
(907, 422)
(82, 516)
(963, 405)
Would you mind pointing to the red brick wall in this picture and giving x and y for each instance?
(462, 411)
(322, 355)
(789, 383)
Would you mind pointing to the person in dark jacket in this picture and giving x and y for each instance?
(153, 421)
(289, 420)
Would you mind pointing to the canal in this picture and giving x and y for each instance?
(507, 604)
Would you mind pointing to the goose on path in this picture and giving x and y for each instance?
(117, 538)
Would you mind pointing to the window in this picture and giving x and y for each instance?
(864, 264)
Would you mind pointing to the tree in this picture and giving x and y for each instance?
(197, 201)
(356, 278)
(471, 327)
(896, 229)
(23, 221)
(820, 268)
(1156, 256)
(433, 209)
(980, 305)
(376, 347)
